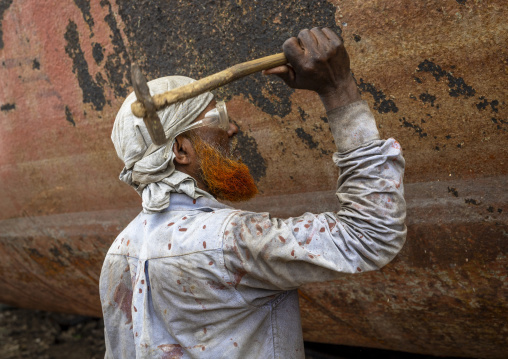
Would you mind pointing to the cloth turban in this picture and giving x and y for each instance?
(148, 168)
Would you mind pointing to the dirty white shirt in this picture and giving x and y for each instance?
(203, 280)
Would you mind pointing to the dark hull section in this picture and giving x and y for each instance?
(434, 73)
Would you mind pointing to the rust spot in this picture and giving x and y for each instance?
(282, 239)
(182, 229)
(204, 244)
(169, 225)
(171, 351)
(235, 344)
(169, 246)
(238, 276)
(123, 297)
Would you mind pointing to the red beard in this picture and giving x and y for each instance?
(227, 178)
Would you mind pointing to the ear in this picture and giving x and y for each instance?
(183, 150)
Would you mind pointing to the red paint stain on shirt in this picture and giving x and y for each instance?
(193, 201)
(226, 233)
(182, 229)
(169, 225)
(171, 351)
(142, 281)
(238, 276)
(311, 256)
(296, 229)
(123, 297)
(331, 225)
(204, 227)
(308, 240)
(140, 290)
(178, 281)
(211, 263)
(184, 218)
(169, 246)
(135, 309)
(358, 269)
(322, 230)
(307, 226)
(203, 347)
(282, 239)
(128, 242)
(235, 344)
(293, 252)
(204, 244)
(204, 330)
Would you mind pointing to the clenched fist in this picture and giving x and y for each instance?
(318, 61)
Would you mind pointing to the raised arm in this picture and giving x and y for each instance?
(369, 230)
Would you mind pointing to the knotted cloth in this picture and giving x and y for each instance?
(150, 169)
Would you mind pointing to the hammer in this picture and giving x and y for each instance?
(147, 106)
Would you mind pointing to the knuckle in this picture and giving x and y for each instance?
(303, 32)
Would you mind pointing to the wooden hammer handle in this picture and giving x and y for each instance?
(211, 82)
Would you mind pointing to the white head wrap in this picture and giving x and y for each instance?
(150, 169)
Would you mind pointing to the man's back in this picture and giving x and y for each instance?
(172, 266)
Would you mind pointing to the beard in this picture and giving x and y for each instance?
(226, 177)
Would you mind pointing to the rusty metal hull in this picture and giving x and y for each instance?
(434, 72)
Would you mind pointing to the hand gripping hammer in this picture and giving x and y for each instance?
(147, 106)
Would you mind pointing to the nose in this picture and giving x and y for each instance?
(233, 129)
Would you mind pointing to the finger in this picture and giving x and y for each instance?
(332, 35)
(276, 70)
(307, 40)
(320, 36)
(292, 49)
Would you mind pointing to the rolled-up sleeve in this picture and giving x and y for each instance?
(365, 234)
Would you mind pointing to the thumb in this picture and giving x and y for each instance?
(285, 72)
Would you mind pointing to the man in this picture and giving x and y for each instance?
(191, 277)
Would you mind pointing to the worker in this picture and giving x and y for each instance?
(191, 277)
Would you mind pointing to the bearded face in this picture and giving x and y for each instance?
(226, 177)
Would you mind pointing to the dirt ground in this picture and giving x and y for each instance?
(45, 335)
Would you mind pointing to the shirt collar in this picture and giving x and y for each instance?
(180, 201)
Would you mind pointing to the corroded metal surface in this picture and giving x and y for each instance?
(435, 73)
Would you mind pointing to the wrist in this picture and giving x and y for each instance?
(340, 96)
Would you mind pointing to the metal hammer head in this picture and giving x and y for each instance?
(151, 119)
